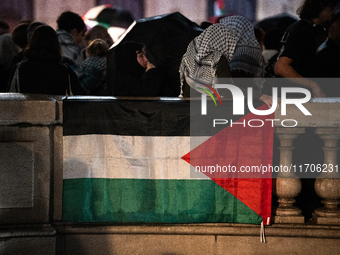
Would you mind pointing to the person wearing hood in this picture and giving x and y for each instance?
(224, 50)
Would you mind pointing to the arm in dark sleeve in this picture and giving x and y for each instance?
(151, 83)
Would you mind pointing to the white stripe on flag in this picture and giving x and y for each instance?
(137, 157)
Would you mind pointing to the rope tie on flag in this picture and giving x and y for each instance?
(262, 234)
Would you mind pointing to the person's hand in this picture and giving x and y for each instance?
(149, 66)
(268, 100)
(317, 91)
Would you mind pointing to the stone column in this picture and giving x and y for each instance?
(288, 185)
(28, 173)
(327, 185)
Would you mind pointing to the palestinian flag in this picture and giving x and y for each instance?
(126, 161)
(219, 8)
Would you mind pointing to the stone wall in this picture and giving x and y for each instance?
(31, 173)
(268, 8)
(31, 199)
(47, 11)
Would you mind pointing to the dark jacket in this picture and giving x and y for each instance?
(50, 78)
(328, 66)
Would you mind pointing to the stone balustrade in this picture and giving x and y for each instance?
(31, 142)
(325, 121)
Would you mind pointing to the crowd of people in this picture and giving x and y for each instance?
(37, 59)
(294, 54)
(297, 60)
(70, 60)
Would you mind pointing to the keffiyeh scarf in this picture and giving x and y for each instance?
(247, 55)
(235, 39)
(92, 73)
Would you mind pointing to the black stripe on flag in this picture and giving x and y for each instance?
(135, 117)
(126, 117)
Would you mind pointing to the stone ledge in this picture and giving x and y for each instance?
(324, 114)
(27, 231)
(325, 220)
(50, 109)
(28, 109)
(275, 230)
(289, 219)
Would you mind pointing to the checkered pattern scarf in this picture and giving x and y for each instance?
(247, 55)
(92, 65)
(92, 73)
(235, 39)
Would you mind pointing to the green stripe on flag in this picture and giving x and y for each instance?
(152, 200)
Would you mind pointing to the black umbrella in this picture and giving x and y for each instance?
(281, 21)
(166, 38)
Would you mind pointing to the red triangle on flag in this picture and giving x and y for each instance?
(237, 148)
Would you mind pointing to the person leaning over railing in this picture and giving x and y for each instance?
(229, 49)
